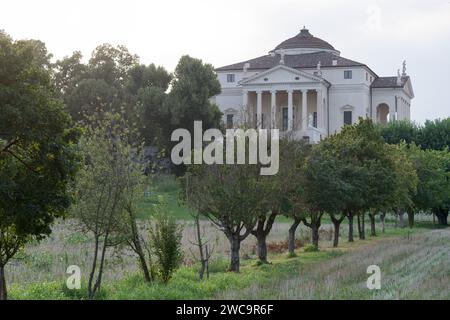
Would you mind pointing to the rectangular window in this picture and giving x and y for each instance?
(347, 74)
(315, 119)
(285, 119)
(348, 117)
(263, 126)
(230, 77)
(230, 121)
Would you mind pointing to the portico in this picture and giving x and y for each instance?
(298, 108)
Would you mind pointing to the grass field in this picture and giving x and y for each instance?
(412, 267)
(412, 262)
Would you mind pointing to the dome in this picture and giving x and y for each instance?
(305, 40)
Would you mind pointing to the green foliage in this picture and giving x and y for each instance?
(433, 189)
(435, 134)
(38, 157)
(165, 236)
(311, 248)
(394, 132)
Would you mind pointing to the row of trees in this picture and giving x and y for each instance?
(351, 175)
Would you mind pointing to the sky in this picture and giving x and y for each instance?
(379, 33)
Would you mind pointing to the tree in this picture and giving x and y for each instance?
(100, 188)
(38, 158)
(435, 134)
(193, 86)
(291, 184)
(433, 186)
(327, 187)
(231, 197)
(394, 132)
(100, 85)
(403, 185)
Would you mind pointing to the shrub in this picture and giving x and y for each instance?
(165, 236)
(311, 248)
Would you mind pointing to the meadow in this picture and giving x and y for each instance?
(412, 259)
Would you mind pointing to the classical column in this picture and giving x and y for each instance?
(319, 109)
(273, 108)
(245, 109)
(304, 109)
(259, 109)
(290, 111)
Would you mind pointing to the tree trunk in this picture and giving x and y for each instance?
(358, 219)
(383, 226)
(203, 260)
(363, 226)
(373, 231)
(263, 227)
(235, 248)
(350, 227)
(401, 220)
(315, 234)
(93, 268)
(442, 215)
(144, 267)
(137, 247)
(410, 217)
(3, 290)
(337, 226)
(292, 230)
(262, 247)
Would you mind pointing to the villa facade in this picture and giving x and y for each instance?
(304, 86)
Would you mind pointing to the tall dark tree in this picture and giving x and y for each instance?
(37, 149)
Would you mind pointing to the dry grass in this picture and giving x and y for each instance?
(68, 245)
(412, 267)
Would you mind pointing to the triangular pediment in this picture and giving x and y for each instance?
(281, 74)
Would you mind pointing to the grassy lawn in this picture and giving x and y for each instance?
(254, 281)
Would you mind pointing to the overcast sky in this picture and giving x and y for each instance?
(380, 33)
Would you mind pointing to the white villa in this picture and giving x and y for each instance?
(306, 87)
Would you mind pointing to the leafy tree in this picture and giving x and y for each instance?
(194, 84)
(68, 72)
(433, 186)
(38, 157)
(327, 188)
(435, 134)
(151, 76)
(290, 184)
(101, 189)
(230, 196)
(403, 186)
(97, 86)
(394, 132)
(155, 120)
